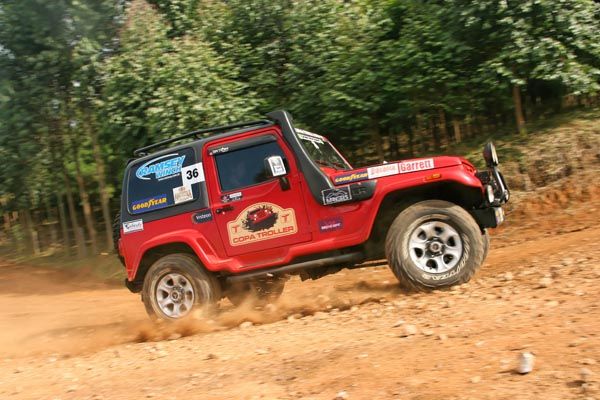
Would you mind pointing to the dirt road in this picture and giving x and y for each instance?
(352, 335)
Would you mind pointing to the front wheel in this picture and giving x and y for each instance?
(434, 244)
(176, 285)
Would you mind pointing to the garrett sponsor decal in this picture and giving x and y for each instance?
(331, 224)
(351, 177)
(382, 170)
(337, 195)
(133, 226)
(152, 203)
(161, 169)
(416, 165)
(261, 221)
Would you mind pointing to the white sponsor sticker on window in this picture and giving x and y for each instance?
(133, 226)
(310, 138)
(192, 174)
(182, 194)
(382, 170)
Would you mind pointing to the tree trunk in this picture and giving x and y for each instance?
(394, 148)
(457, 133)
(435, 134)
(7, 226)
(469, 132)
(516, 91)
(411, 142)
(7, 223)
(443, 127)
(80, 242)
(421, 134)
(101, 179)
(376, 135)
(63, 224)
(31, 232)
(85, 203)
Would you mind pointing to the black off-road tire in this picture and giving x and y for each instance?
(412, 277)
(259, 292)
(205, 286)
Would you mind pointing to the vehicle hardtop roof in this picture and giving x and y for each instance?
(203, 135)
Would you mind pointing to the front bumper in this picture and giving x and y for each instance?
(495, 179)
(491, 214)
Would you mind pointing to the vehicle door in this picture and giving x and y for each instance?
(253, 209)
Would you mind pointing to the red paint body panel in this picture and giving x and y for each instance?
(220, 246)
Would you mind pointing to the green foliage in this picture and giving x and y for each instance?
(155, 86)
(532, 40)
(180, 14)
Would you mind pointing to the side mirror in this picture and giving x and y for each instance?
(489, 155)
(275, 167)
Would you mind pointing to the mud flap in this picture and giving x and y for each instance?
(134, 287)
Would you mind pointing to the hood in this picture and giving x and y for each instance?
(408, 166)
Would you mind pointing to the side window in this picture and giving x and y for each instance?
(245, 167)
(158, 183)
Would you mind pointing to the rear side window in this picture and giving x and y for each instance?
(245, 167)
(158, 183)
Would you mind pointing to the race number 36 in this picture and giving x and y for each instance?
(192, 174)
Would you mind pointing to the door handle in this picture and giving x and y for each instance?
(223, 209)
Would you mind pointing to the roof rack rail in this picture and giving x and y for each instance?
(217, 129)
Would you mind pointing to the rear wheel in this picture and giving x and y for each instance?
(259, 292)
(434, 244)
(176, 286)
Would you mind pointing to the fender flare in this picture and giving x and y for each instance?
(189, 237)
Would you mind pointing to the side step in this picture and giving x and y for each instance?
(350, 258)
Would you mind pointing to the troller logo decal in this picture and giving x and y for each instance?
(261, 221)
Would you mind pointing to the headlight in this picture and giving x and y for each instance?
(489, 154)
(489, 193)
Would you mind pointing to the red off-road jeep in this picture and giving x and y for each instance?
(240, 208)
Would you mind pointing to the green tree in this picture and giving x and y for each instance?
(156, 87)
(515, 42)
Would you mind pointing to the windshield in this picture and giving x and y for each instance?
(321, 151)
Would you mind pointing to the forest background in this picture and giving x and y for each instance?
(85, 82)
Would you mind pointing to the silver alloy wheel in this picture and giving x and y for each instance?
(435, 247)
(175, 295)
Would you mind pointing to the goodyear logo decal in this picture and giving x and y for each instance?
(354, 176)
(152, 203)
